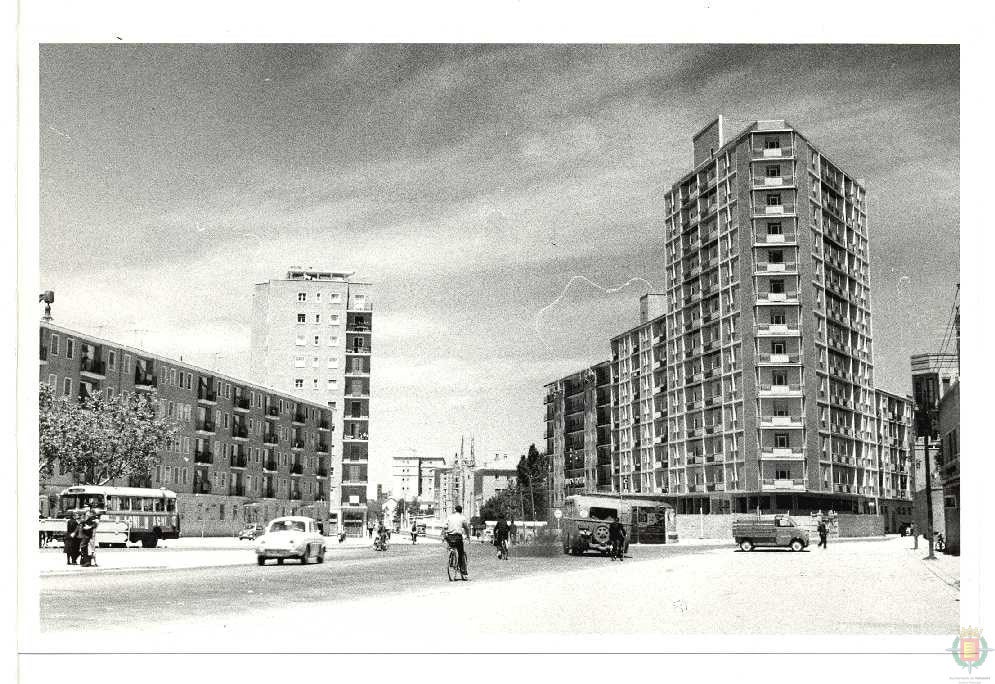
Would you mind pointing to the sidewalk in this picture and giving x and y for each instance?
(944, 567)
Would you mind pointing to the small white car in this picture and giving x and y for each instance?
(291, 537)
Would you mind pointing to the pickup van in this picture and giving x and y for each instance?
(781, 530)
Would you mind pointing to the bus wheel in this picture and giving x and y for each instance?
(149, 541)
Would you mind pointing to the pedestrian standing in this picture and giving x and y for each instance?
(71, 541)
(369, 526)
(87, 539)
(414, 532)
(823, 533)
(915, 535)
(616, 537)
(513, 530)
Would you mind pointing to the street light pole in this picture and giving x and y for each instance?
(929, 496)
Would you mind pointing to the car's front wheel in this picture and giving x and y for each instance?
(746, 545)
(261, 560)
(796, 545)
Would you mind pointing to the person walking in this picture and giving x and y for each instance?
(414, 531)
(71, 541)
(616, 537)
(87, 540)
(369, 527)
(501, 537)
(512, 531)
(823, 533)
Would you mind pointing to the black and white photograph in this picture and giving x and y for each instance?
(473, 346)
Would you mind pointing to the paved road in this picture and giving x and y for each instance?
(126, 598)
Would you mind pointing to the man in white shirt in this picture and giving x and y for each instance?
(456, 526)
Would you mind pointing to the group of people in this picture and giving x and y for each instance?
(80, 541)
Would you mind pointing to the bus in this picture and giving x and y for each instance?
(148, 514)
(586, 517)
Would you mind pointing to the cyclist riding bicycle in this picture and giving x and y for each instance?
(456, 526)
(381, 540)
(501, 533)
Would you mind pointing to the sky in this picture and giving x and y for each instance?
(471, 185)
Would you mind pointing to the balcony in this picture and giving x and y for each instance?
(779, 390)
(270, 493)
(322, 471)
(779, 454)
(92, 368)
(357, 349)
(271, 438)
(300, 417)
(356, 371)
(777, 330)
(236, 490)
(145, 380)
(239, 460)
(782, 421)
(360, 306)
(206, 426)
(777, 297)
(206, 395)
(779, 358)
(775, 238)
(843, 488)
(242, 404)
(270, 465)
(355, 437)
(322, 448)
(771, 485)
(239, 431)
(297, 444)
(296, 468)
(203, 456)
(273, 412)
(201, 487)
(324, 424)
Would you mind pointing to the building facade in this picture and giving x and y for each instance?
(932, 376)
(243, 453)
(578, 432)
(488, 483)
(949, 434)
(896, 437)
(413, 477)
(312, 338)
(639, 408)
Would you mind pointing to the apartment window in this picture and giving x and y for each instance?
(300, 340)
(67, 386)
(315, 384)
(781, 440)
(331, 384)
(777, 317)
(298, 362)
(299, 383)
(777, 285)
(53, 381)
(772, 143)
(333, 341)
(172, 377)
(317, 340)
(782, 474)
(70, 344)
(772, 171)
(335, 296)
(778, 348)
(314, 362)
(302, 296)
(127, 363)
(111, 360)
(318, 296)
(333, 319)
(301, 318)
(773, 199)
(333, 362)
(317, 318)
(775, 256)
(780, 409)
(779, 378)
(225, 418)
(53, 344)
(774, 228)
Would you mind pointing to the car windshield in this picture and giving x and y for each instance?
(604, 513)
(287, 526)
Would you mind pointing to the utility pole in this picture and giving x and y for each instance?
(929, 496)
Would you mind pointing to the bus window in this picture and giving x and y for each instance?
(160, 505)
(114, 503)
(171, 505)
(95, 500)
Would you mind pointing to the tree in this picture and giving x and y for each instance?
(506, 502)
(533, 474)
(101, 439)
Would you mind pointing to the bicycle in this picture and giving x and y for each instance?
(380, 544)
(453, 569)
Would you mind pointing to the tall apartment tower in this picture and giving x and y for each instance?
(578, 432)
(311, 337)
(770, 371)
(639, 401)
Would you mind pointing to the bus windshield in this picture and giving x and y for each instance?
(76, 501)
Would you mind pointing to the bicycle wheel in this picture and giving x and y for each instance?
(452, 567)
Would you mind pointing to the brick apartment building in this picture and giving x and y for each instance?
(243, 453)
